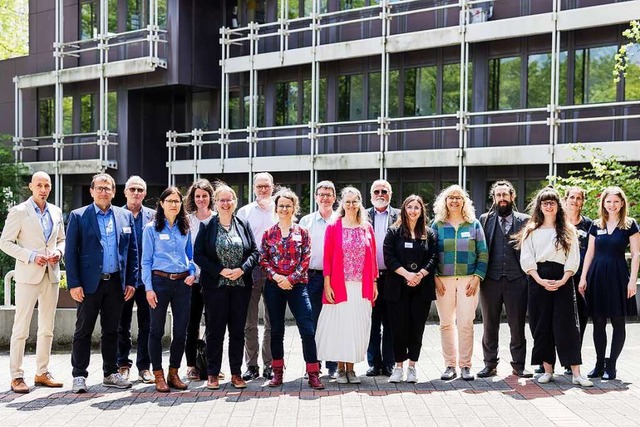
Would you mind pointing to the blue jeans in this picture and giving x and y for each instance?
(315, 289)
(178, 294)
(298, 300)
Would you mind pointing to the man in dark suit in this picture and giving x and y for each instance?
(505, 283)
(135, 190)
(381, 216)
(102, 270)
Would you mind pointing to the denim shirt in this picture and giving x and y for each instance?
(108, 239)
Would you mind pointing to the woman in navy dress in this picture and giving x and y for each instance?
(609, 287)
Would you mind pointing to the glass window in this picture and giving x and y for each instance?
(88, 113)
(136, 14)
(112, 20)
(420, 91)
(112, 111)
(426, 190)
(162, 14)
(293, 10)
(235, 120)
(322, 101)
(286, 103)
(67, 115)
(539, 79)
(201, 110)
(321, 6)
(351, 4)
(504, 83)
(632, 81)
(46, 124)
(88, 19)
(256, 11)
(374, 104)
(259, 99)
(350, 98)
(593, 75)
(451, 87)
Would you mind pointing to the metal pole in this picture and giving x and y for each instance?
(462, 131)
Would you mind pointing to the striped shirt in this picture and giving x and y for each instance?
(462, 251)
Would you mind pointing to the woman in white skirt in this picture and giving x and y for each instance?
(350, 273)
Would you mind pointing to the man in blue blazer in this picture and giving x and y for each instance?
(135, 190)
(102, 270)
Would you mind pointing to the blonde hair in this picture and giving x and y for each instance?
(624, 222)
(440, 210)
(225, 188)
(361, 217)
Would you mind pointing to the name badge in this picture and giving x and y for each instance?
(164, 236)
(465, 234)
(126, 230)
(408, 245)
(296, 238)
(582, 233)
(601, 232)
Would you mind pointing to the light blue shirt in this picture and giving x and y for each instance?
(108, 239)
(168, 250)
(45, 222)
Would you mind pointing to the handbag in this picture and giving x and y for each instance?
(201, 358)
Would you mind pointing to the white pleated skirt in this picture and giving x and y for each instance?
(344, 329)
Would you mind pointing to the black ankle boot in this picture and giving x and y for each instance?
(598, 370)
(609, 369)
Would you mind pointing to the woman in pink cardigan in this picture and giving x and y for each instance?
(350, 273)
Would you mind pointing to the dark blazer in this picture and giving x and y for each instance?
(148, 215)
(83, 255)
(489, 220)
(394, 258)
(393, 216)
(204, 252)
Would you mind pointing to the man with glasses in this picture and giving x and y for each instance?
(260, 215)
(381, 216)
(505, 283)
(316, 223)
(135, 190)
(102, 271)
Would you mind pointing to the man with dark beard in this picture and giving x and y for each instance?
(505, 282)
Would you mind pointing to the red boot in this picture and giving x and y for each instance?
(278, 373)
(313, 371)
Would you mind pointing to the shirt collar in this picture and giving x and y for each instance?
(384, 212)
(100, 211)
(319, 218)
(37, 208)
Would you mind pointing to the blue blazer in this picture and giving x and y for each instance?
(148, 215)
(83, 255)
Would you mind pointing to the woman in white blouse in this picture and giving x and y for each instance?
(550, 255)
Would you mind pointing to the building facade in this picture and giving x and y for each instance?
(424, 93)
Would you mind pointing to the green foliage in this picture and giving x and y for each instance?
(626, 51)
(14, 28)
(603, 171)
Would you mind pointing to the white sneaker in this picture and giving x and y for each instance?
(116, 380)
(412, 376)
(580, 380)
(79, 385)
(545, 378)
(342, 377)
(353, 378)
(396, 375)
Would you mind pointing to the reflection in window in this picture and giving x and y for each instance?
(67, 115)
(46, 124)
(88, 113)
(112, 19)
(351, 4)
(451, 87)
(112, 112)
(259, 101)
(374, 104)
(235, 119)
(539, 80)
(293, 10)
(593, 78)
(286, 103)
(322, 101)
(162, 14)
(420, 91)
(137, 14)
(426, 190)
(88, 19)
(201, 110)
(504, 83)
(321, 6)
(256, 11)
(632, 82)
(350, 98)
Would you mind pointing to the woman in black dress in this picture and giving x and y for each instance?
(606, 282)
(410, 252)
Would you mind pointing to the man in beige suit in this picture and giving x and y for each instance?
(34, 235)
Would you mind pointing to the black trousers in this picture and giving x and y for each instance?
(107, 302)
(513, 295)
(143, 362)
(553, 318)
(408, 316)
(380, 349)
(193, 330)
(225, 307)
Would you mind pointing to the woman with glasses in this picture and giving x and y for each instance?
(609, 286)
(350, 273)
(168, 273)
(284, 255)
(226, 253)
(462, 265)
(550, 255)
(199, 205)
(410, 254)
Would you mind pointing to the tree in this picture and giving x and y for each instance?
(14, 28)
(627, 51)
(10, 191)
(603, 171)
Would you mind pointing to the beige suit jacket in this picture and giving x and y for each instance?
(22, 236)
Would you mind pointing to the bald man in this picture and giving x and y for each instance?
(34, 235)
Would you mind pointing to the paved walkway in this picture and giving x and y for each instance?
(503, 400)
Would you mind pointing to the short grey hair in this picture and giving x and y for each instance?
(135, 180)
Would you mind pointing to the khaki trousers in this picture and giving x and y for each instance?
(456, 312)
(46, 294)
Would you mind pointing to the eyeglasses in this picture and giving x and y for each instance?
(172, 202)
(102, 189)
(136, 189)
(352, 202)
(324, 195)
(379, 192)
(549, 203)
(454, 198)
(263, 187)
(224, 201)
(285, 207)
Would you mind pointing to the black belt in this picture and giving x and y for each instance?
(105, 277)
(312, 271)
(171, 276)
(382, 272)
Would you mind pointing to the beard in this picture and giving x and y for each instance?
(379, 203)
(504, 210)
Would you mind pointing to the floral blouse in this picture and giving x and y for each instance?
(229, 250)
(353, 243)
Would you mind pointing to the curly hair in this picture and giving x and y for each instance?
(624, 222)
(440, 210)
(181, 219)
(564, 230)
(420, 229)
(199, 184)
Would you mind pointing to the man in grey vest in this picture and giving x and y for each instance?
(505, 283)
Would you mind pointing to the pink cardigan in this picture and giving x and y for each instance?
(334, 262)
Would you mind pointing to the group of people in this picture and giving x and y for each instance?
(358, 282)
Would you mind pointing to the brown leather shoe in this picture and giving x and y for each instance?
(161, 384)
(18, 386)
(174, 381)
(238, 382)
(213, 382)
(47, 380)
